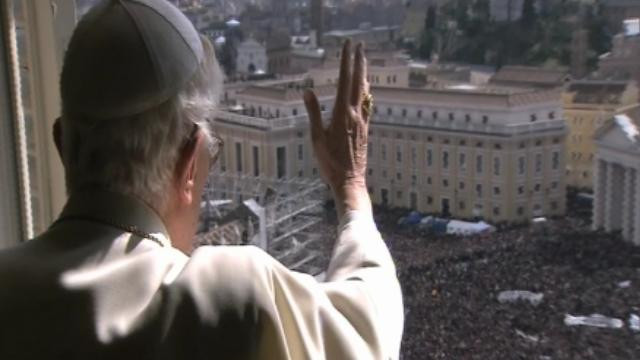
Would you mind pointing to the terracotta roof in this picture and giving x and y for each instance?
(529, 75)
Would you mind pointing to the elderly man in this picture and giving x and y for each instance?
(111, 278)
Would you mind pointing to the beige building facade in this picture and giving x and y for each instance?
(588, 104)
(466, 151)
(470, 152)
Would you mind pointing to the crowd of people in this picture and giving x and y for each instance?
(451, 284)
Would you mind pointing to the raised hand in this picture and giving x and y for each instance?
(341, 148)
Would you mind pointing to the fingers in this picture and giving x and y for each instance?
(315, 115)
(358, 88)
(344, 83)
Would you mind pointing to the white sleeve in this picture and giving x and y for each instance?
(356, 313)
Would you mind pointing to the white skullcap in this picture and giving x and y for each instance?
(127, 56)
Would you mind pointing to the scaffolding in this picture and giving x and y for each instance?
(274, 214)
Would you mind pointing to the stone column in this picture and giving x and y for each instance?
(599, 182)
(636, 209)
(608, 197)
(627, 202)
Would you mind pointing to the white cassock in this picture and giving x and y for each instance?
(87, 289)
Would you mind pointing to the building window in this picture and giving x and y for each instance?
(300, 152)
(461, 205)
(295, 112)
(399, 195)
(281, 162)
(461, 185)
(413, 200)
(554, 205)
(389, 111)
(445, 160)
(435, 115)
(467, 118)
(496, 190)
(223, 160)
(419, 113)
(239, 157)
(370, 172)
(462, 162)
(533, 117)
(552, 115)
(479, 191)
(383, 152)
(414, 156)
(521, 165)
(429, 157)
(451, 116)
(479, 144)
(496, 211)
(300, 173)
(479, 164)
(398, 154)
(496, 166)
(554, 185)
(445, 183)
(429, 200)
(399, 176)
(497, 146)
(256, 161)
(555, 160)
(428, 180)
(384, 174)
(520, 210)
(404, 112)
(538, 164)
(414, 180)
(537, 188)
(375, 109)
(520, 190)
(485, 119)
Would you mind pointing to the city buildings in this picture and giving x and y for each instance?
(531, 76)
(622, 61)
(251, 58)
(461, 150)
(588, 104)
(469, 151)
(616, 11)
(269, 135)
(617, 176)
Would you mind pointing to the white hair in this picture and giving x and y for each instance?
(136, 155)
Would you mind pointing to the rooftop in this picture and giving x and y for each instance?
(353, 32)
(598, 91)
(530, 75)
(285, 92)
(467, 94)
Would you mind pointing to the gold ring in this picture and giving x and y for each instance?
(367, 103)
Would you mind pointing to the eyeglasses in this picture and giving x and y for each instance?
(214, 146)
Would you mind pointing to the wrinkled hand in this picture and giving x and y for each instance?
(341, 148)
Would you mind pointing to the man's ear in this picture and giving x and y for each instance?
(57, 137)
(185, 172)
